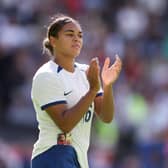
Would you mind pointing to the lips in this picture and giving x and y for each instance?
(77, 46)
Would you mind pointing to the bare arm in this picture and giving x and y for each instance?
(104, 105)
(65, 118)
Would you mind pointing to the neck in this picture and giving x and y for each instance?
(66, 63)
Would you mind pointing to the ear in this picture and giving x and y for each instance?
(52, 41)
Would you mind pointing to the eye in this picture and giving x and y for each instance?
(70, 35)
(80, 35)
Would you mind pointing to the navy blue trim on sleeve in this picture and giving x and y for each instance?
(53, 103)
(99, 94)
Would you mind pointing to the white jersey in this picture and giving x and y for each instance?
(54, 85)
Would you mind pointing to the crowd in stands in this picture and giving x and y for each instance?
(136, 30)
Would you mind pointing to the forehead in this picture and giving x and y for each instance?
(72, 26)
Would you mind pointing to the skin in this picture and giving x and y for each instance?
(66, 47)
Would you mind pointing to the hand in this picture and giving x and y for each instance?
(93, 75)
(110, 74)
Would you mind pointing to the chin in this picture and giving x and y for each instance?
(76, 56)
(76, 53)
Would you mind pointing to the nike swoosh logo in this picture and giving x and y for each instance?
(67, 93)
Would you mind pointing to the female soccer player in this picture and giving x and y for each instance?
(65, 95)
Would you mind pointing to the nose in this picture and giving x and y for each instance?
(76, 38)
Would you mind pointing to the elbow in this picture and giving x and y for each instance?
(65, 128)
(108, 120)
(64, 125)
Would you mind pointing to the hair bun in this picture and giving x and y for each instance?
(47, 45)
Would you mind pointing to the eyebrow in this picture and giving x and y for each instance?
(72, 31)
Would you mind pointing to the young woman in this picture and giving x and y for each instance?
(65, 95)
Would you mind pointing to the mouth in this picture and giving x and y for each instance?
(77, 46)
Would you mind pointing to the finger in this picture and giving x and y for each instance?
(95, 62)
(106, 63)
(118, 59)
(117, 62)
(94, 67)
(92, 62)
(87, 70)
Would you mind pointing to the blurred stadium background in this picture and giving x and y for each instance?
(135, 29)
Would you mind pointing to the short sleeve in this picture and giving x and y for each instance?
(47, 90)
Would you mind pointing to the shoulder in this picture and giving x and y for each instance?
(47, 72)
(47, 67)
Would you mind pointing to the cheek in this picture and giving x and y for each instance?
(82, 44)
(66, 47)
(65, 43)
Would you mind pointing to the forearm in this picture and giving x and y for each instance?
(67, 118)
(72, 116)
(107, 105)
